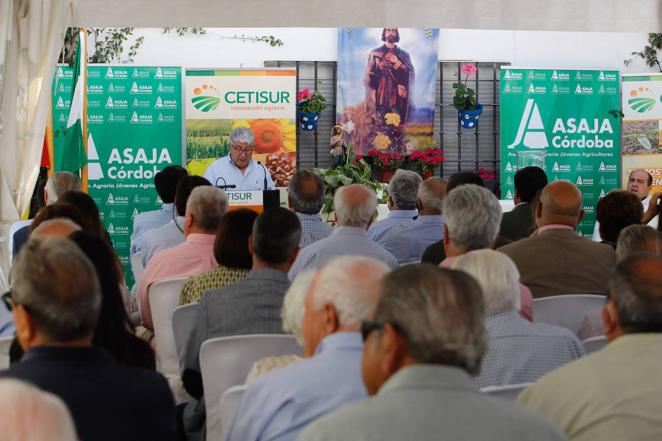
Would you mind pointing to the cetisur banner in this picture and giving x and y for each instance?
(135, 129)
(642, 126)
(562, 120)
(264, 100)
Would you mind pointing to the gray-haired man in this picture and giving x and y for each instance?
(306, 198)
(424, 341)
(238, 168)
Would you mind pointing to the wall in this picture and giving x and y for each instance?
(521, 48)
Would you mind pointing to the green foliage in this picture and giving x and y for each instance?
(183, 31)
(616, 114)
(315, 104)
(108, 45)
(465, 97)
(350, 173)
(650, 53)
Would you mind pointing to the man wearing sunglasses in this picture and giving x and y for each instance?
(425, 340)
(238, 170)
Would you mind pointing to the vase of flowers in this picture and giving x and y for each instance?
(465, 99)
(385, 164)
(426, 160)
(309, 106)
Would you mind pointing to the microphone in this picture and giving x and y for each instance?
(225, 185)
(265, 174)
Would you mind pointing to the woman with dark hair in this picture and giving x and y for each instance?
(231, 253)
(58, 211)
(114, 331)
(88, 208)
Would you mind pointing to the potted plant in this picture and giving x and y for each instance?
(465, 99)
(309, 107)
(426, 160)
(386, 163)
(488, 177)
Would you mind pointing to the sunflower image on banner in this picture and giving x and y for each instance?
(264, 100)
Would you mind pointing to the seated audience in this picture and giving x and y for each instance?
(292, 314)
(423, 343)
(518, 223)
(614, 393)
(555, 259)
(58, 184)
(615, 211)
(56, 300)
(408, 242)
(230, 251)
(402, 195)
(473, 216)
(635, 239)
(59, 211)
(305, 195)
(281, 403)
(114, 331)
(172, 233)
(89, 210)
(250, 306)
(165, 182)
(355, 206)
(30, 414)
(204, 210)
(518, 351)
(436, 252)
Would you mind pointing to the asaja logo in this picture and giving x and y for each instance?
(512, 75)
(141, 118)
(537, 75)
(168, 88)
(121, 74)
(561, 167)
(116, 103)
(607, 167)
(642, 99)
(167, 74)
(62, 104)
(563, 76)
(609, 76)
(509, 167)
(206, 103)
(134, 214)
(583, 90)
(117, 200)
(586, 168)
(62, 118)
(165, 104)
(142, 89)
(95, 119)
(165, 118)
(602, 193)
(119, 230)
(139, 74)
(508, 88)
(583, 76)
(140, 103)
(531, 131)
(537, 89)
(509, 195)
(117, 88)
(584, 181)
(95, 89)
(509, 181)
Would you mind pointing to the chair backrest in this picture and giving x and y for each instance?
(226, 361)
(10, 236)
(183, 320)
(5, 343)
(508, 392)
(137, 267)
(594, 343)
(228, 407)
(567, 310)
(163, 299)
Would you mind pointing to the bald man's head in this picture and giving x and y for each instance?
(355, 206)
(560, 203)
(60, 227)
(431, 196)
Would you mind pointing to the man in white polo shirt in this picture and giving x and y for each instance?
(238, 168)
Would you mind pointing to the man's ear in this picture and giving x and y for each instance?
(25, 328)
(581, 216)
(331, 319)
(393, 348)
(251, 250)
(446, 240)
(294, 255)
(612, 327)
(419, 205)
(188, 220)
(539, 210)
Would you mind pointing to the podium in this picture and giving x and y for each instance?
(256, 200)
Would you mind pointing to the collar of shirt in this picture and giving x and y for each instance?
(429, 376)
(90, 353)
(202, 239)
(167, 208)
(551, 227)
(338, 340)
(429, 219)
(309, 217)
(349, 231)
(268, 274)
(510, 315)
(398, 214)
(251, 165)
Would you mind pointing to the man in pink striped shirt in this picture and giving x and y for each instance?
(204, 210)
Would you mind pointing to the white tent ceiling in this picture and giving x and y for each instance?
(550, 15)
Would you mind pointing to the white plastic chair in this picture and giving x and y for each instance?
(163, 299)
(228, 407)
(508, 392)
(137, 267)
(5, 343)
(183, 320)
(226, 361)
(567, 310)
(10, 236)
(594, 343)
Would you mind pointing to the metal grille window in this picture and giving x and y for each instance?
(463, 149)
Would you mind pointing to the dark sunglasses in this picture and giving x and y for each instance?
(8, 301)
(368, 326)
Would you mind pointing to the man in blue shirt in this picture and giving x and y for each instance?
(408, 242)
(306, 198)
(402, 197)
(165, 182)
(278, 405)
(238, 168)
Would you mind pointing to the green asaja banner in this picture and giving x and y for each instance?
(135, 130)
(560, 121)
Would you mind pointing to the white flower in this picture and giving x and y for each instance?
(349, 127)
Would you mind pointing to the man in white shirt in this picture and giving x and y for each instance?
(238, 170)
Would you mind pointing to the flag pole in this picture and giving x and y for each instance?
(83, 44)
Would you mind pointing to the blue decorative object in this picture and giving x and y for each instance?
(307, 120)
(469, 118)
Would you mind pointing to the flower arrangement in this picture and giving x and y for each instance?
(465, 97)
(427, 159)
(384, 160)
(486, 175)
(310, 102)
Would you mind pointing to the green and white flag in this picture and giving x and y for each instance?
(73, 156)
